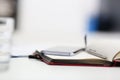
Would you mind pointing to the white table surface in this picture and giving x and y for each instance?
(28, 69)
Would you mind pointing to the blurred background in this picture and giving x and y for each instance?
(62, 22)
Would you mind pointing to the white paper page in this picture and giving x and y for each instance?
(106, 47)
(81, 55)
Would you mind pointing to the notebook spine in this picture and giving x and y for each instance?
(116, 63)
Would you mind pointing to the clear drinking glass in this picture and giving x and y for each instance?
(6, 31)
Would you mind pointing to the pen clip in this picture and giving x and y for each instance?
(85, 41)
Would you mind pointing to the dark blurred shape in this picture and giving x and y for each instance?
(105, 23)
(8, 8)
(2, 22)
(108, 19)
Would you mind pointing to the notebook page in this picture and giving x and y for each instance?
(81, 55)
(106, 48)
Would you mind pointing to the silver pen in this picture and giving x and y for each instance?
(91, 51)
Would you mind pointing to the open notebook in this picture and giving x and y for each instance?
(83, 58)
